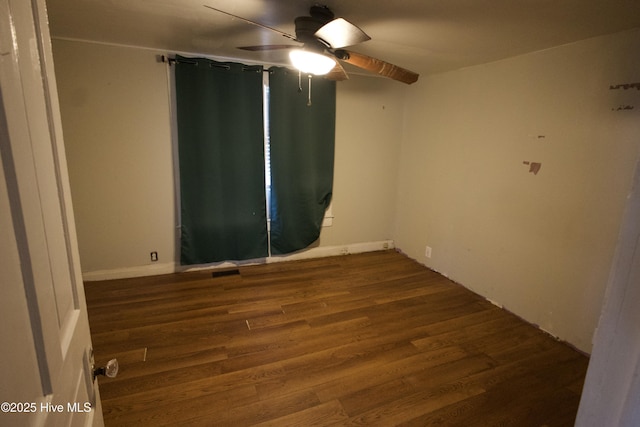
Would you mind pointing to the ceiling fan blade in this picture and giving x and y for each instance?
(282, 33)
(341, 33)
(337, 73)
(377, 66)
(268, 47)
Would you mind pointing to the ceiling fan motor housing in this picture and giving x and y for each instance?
(306, 27)
(321, 13)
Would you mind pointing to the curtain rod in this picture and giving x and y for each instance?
(167, 59)
(171, 61)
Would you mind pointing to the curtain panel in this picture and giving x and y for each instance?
(221, 161)
(302, 145)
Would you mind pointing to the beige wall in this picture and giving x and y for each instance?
(115, 110)
(369, 115)
(116, 122)
(437, 163)
(541, 245)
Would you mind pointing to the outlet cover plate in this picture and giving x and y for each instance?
(427, 252)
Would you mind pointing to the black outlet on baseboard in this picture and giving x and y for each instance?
(154, 256)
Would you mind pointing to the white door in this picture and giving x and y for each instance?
(45, 346)
(611, 393)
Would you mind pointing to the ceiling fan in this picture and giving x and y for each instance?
(324, 38)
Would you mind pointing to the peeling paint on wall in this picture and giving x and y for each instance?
(625, 86)
(534, 167)
(626, 106)
(623, 107)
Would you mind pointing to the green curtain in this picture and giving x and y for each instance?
(302, 141)
(221, 160)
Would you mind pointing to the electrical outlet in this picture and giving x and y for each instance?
(154, 256)
(427, 252)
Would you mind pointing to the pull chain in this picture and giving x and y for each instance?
(309, 100)
(299, 81)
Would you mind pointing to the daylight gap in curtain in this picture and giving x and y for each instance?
(302, 141)
(221, 161)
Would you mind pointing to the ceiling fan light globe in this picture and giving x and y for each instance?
(311, 62)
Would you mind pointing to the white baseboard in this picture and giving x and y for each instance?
(129, 272)
(325, 251)
(168, 268)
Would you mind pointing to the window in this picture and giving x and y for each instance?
(224, 215)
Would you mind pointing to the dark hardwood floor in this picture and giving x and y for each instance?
(369, 339)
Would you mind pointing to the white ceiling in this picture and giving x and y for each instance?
(425, 36)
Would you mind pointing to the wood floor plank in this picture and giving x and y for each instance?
(362, 379)
(320, 415)
(368, 339)
(178, 394)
